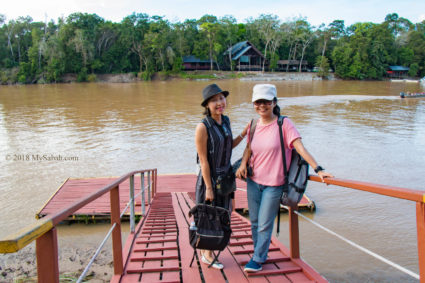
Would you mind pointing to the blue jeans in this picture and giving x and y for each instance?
(263, 205)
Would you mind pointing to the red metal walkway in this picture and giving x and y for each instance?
(159, 251)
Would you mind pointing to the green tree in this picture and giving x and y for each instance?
(229, 29)
(397, 25)
(267, 26)
(135, 28)
(414, 68)
(323, 64)
(304, 36)
(416, 42)
(208, 25)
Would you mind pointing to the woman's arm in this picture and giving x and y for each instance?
(299, 146)
(241, 173)
(239, 138)
(201, 139)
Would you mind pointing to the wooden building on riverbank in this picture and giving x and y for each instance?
(291, 66)
(245, 56)
(193, 63)
(397, 72)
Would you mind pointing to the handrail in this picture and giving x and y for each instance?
(396, 192)
(19, 240)
(44, 231)
(132, 222)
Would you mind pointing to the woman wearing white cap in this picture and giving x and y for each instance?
(265, 185)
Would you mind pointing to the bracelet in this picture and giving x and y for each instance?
(241, 136)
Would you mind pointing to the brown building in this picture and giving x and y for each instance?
(291, 65)
(192, 63)
(245, 56)
(397, 71)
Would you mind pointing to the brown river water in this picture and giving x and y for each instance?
(356, 130)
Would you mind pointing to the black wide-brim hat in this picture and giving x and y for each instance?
(211, 90)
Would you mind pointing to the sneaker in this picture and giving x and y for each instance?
(216, 265)
(252, 266)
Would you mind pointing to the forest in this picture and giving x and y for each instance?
(86, 45)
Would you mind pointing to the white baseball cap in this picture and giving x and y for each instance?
(263, 91)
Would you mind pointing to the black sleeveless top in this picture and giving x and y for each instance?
(219, 144)
(219, 153)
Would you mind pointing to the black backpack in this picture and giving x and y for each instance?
(210, 229)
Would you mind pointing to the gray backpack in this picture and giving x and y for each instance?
(296, 177)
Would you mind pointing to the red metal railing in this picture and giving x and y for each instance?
(45, 235)
(401, 193)
(44, 232)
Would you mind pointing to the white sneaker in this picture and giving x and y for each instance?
(216, 264)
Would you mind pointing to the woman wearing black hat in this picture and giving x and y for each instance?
(214, 142)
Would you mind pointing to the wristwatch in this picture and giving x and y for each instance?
(318, 169)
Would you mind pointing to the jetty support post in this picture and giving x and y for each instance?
(149, 187)
(142, 184)
(47, 257)
(420, 224)
(116, 233)
(294, 235)
(132, 213)
(156, 180)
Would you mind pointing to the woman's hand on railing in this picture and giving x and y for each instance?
(323, 175)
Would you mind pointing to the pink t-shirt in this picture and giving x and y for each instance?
(266, 158)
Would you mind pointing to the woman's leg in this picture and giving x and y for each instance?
(268, 209)
(254, 201)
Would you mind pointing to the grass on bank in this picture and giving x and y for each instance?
(12, 76)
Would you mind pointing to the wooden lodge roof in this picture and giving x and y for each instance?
(399, 68)
(194, 59)
(241, 48)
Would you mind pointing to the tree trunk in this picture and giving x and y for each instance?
(140, 62)
(161, 58)
(211, 61)
(324, 47)
(9, 44)
(289, 57)
(323, 54)
(302, 56)
(265, 55)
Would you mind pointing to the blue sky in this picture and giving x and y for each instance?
(316, 12)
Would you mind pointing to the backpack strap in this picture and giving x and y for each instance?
(215, 258)
(285, 170)
(193, 258)
(208, 125)
(212, 262)
(252, 129)
(282, 146)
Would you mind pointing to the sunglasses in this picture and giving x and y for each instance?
(263, 101)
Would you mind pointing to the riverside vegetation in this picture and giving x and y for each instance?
(87, 46)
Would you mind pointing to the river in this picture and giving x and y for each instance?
(356, 130)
